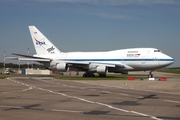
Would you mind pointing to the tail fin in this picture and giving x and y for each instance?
(42, 45)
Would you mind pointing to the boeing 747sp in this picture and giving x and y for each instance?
(116, 61)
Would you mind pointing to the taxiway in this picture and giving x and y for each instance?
(47, 98)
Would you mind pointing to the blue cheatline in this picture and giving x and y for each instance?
(117, 59)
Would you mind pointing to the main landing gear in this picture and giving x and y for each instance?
(102, 75)
(88, 74)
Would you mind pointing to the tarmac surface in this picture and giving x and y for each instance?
(47, 98)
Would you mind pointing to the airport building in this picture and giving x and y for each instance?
(36, 71)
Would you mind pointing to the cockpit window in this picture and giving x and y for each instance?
(157, 51)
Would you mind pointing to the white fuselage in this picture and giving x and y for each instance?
(132, 59)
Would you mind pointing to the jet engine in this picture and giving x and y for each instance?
(101, 69)
(60, 66)
(63, 67)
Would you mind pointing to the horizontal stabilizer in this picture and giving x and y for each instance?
(27, 56)
(28, 59)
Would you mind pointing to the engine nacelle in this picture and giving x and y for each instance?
(62, 67)
(53, 63)
(101, 69)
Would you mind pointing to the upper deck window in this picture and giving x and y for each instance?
(157, 51)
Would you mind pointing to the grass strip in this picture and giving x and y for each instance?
(175, 71)
(64, 77)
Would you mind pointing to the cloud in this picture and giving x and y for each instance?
(116, 2)
(107, 2)
(110, 9)
(107, 15)
(111, 16)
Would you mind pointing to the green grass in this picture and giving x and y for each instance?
(108, 77)
(3, 76)
(58, 76)
(175, 71)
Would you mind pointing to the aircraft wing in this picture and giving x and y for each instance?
(84, 66)
(75, 63)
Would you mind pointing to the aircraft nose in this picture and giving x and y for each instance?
(170, 60)
(165, 60)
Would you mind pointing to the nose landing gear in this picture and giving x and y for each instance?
(150, 74)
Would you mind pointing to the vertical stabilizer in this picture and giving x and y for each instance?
(42, 45)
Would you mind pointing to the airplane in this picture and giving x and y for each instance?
(116, 61)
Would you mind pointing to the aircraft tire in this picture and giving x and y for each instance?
(84, 75)
(102, 75)
(88, 75)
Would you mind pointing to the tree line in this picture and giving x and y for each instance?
(22, 66)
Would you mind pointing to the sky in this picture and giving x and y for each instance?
(91, 25)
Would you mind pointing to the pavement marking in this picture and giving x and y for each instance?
(30, 87)
(153, 117)
(86, 100)
(129, 88)
(57, 110)
(142, 114)
(145, 115)
(147, 90)
(140, 97)
(92, 89)
(106, 92)
(99, 103)
(109, 106)
(17, 107)
(83, 87)
(123, 94)
(26, 85)
(172, 101)
(4, 92)
(41, 89)
(67, 111)
(163, 92)
(27, 89)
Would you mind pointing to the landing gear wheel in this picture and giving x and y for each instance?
(91, 75)
(102, 75)
(88, 74)
(84, 75)
(77, 73)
